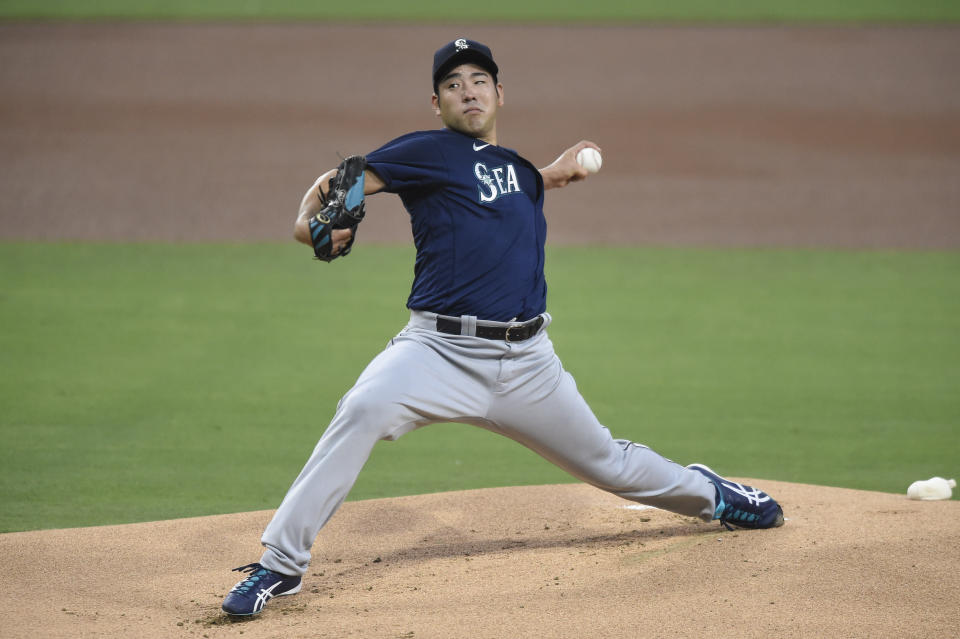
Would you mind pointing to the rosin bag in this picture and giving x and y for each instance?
(932, 489)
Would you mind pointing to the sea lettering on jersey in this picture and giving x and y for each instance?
(495, 182)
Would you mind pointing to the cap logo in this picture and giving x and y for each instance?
(461, 44)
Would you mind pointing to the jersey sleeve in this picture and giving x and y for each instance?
(408, 163)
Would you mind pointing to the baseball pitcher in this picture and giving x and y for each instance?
(476, 349)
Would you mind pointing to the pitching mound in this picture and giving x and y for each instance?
(544, 561)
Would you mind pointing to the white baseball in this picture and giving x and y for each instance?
(590, 159)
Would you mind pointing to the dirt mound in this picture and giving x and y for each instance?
(544, 561)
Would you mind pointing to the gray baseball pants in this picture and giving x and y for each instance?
(519, 390)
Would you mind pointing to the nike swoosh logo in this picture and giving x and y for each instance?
(478, 148)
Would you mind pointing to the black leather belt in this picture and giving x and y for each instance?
(517, 332)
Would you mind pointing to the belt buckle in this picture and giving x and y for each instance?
(506, 334)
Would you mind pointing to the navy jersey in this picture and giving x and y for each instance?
(477, 215)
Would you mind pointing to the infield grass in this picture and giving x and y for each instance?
(540, 11)
(147, 382)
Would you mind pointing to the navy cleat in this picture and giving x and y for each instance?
(250, 595)
(742, 506)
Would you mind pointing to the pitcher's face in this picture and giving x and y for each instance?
(467, 101)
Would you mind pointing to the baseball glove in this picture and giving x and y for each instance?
(342, 208)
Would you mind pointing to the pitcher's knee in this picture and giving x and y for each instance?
(368, 411)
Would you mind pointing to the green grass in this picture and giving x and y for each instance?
(155, 381)
(540, 11)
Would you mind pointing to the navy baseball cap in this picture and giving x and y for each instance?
(459, 52)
